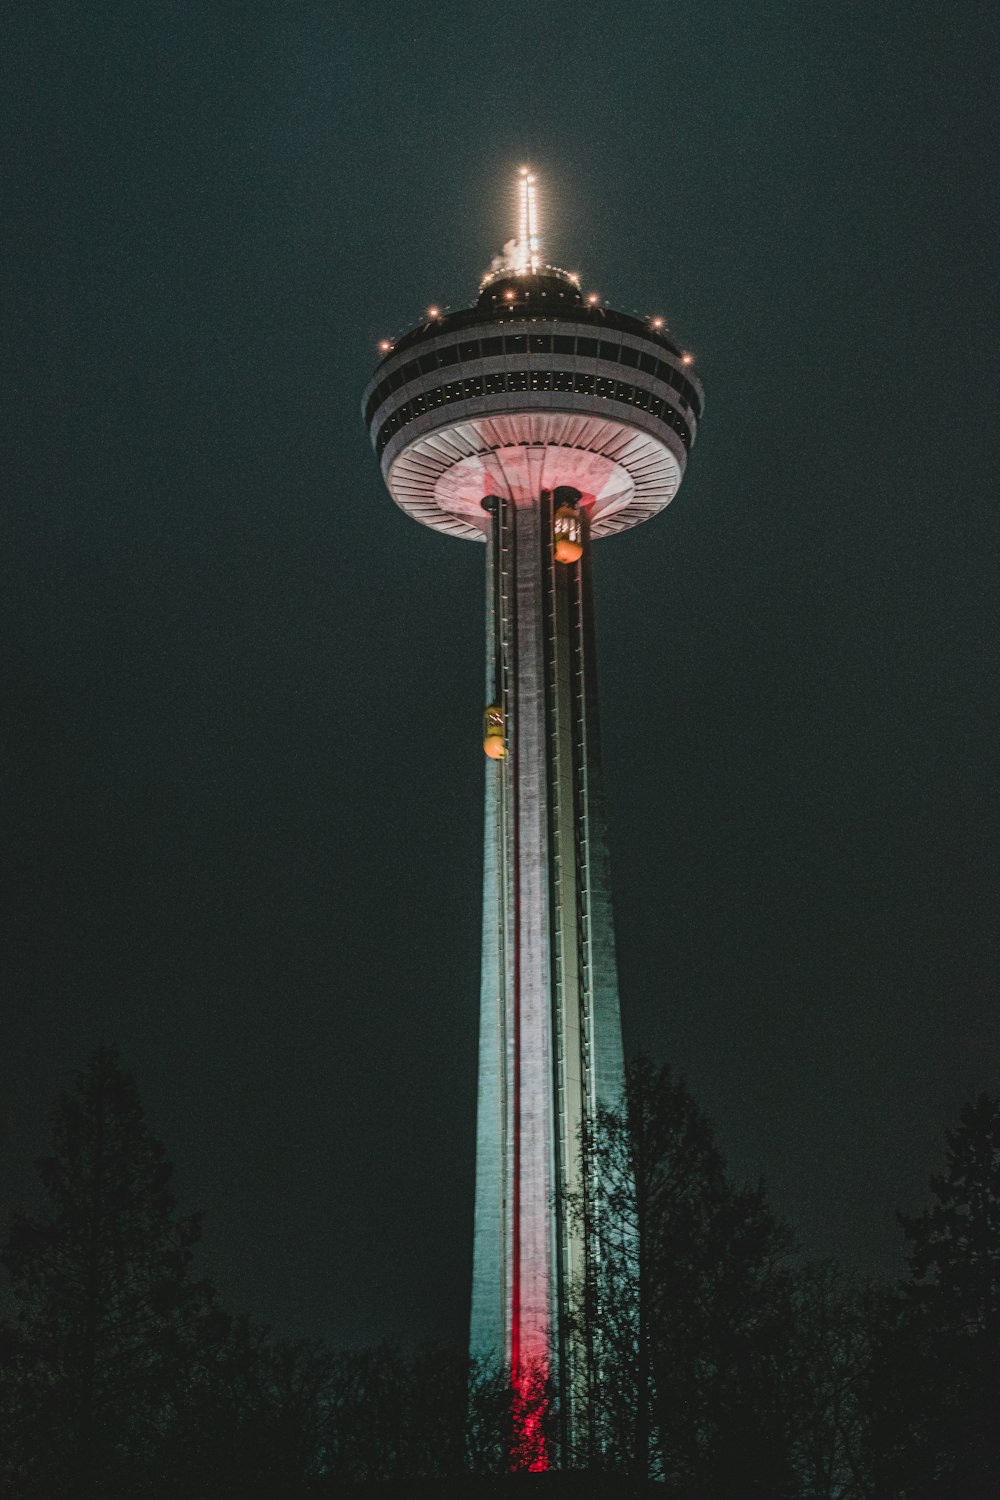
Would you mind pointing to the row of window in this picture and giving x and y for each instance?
(602, 319)
(504, 381)
(533, 343)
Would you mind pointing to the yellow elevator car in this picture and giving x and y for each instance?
(493, 732)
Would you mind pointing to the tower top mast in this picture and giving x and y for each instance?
(528, 241)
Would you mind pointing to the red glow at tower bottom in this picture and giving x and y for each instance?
(531, 1401)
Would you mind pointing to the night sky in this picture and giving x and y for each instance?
(241, 773)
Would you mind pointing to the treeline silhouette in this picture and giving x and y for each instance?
(719, 1364)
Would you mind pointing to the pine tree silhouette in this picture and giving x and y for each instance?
(110, 1316)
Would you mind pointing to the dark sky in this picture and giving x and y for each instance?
(241, 774)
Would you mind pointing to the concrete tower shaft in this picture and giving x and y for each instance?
(550, 1032)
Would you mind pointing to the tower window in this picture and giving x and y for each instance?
(535, 380)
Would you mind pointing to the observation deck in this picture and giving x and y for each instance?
(531, 388)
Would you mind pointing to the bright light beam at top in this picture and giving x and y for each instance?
(528, 241)
(522, 222)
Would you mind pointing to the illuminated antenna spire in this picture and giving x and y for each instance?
(528, 258)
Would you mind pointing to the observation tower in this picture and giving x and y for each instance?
(535, 422)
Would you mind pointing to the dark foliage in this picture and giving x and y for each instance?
(718, 1365)
(936, 1376)
(122, 1377)
(111, 1320)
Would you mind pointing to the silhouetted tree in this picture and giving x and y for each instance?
(498, 1415)
(21, 1402)
(935, 1389)
(398, 1416)
(687, 1307)
(419, 1417)
(825, 1376)
(122, 1378)
(251, 1419)
(111, 1320)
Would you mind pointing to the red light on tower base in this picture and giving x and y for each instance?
(530, 1408)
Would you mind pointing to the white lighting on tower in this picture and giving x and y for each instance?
(533, 239)
(528, 238)
(522, 223)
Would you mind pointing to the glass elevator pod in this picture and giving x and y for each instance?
(493, 736)
(569, 534)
